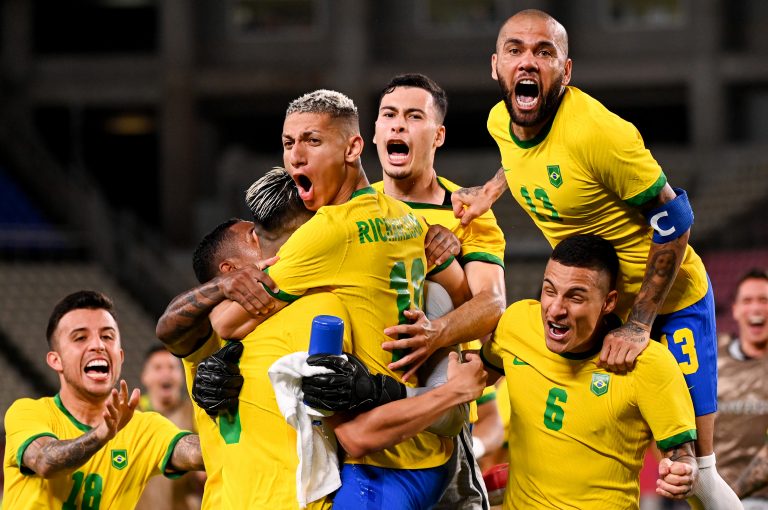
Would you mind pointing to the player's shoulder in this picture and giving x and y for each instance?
(26, 405)
(520, 313)
(594, 118)
(327, 302)
(656, 357)
(498, 120)
(378, 186)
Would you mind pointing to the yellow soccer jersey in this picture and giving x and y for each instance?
(482, 240)
(260, 458)
(370, 253)
(577, 434)
(113, 478)
(211, 441)
(587, 172)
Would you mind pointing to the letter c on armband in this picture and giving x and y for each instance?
(671, 220)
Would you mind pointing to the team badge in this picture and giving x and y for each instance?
(599, 384)
(555, 176)
(119, 458)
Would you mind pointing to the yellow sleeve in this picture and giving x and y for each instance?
(663, 397)
(621, 161)
(491, 354)
(483, 241)
(25, 421)
(162, 438)
(310, 258)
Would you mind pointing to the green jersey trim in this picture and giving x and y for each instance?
(486, 398)
(651, 192)
(441, 267)
(536, 140)
(479, 256)
(281, 295)
(20, 452)
(169, 452)
(677, 439)
(75, 422)
(368, 190)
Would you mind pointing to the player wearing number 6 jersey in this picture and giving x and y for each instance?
(86, 448)
(575, 167)
(578, 434)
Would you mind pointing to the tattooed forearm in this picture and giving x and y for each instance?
(677, 453)
(661, 269)
(47, 456)
(755, 476)
(187, 455)
(185, 320)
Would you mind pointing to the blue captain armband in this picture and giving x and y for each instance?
(672, 219)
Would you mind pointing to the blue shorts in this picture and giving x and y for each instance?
(690, 335)
(366, 487)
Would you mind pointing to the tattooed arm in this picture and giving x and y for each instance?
(469, 203)
(622, 346)
(187, 455)
(678, 472)
(185, 322)
(48, 456)
(755, 475)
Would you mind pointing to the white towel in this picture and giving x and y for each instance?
(318, 472)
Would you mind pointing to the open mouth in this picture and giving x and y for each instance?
(97, 368)
(397, 151)
(557, 330)
(526, 93)
(304, 184)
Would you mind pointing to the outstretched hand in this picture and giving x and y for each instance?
(469, 203)
(118, 412)
(622, 346)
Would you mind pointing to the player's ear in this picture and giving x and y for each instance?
(493, 67)
(226, 265)
(567, 72)
(355, 145)
(440, 136)
(610, 301)
(54, 360)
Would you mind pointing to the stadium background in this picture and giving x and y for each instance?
(129, 128)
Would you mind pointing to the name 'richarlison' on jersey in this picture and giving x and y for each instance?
(389, 229)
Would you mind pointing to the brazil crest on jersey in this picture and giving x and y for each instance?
(587, 172)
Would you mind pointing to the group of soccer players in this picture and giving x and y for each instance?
(414, 267)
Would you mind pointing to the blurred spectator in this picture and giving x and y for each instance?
(742, 416)
(163, 379)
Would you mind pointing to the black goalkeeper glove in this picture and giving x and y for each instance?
(349, 387)
(218, 381)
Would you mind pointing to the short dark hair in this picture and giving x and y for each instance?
(419, 81)
(753, 274)
(274, 201)
(205, 255)
(82, 299)
(154, 349)
(588, 251)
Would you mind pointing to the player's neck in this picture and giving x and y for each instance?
(86, 410)
(527, 133)
(357, 181)
(423, 188)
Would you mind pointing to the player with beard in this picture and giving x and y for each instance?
(575, 167)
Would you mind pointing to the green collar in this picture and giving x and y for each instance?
(75, 422)
(368, 190)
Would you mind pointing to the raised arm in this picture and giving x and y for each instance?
(671, 217)
(47, 456)
(469, 203)
(186, 319)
